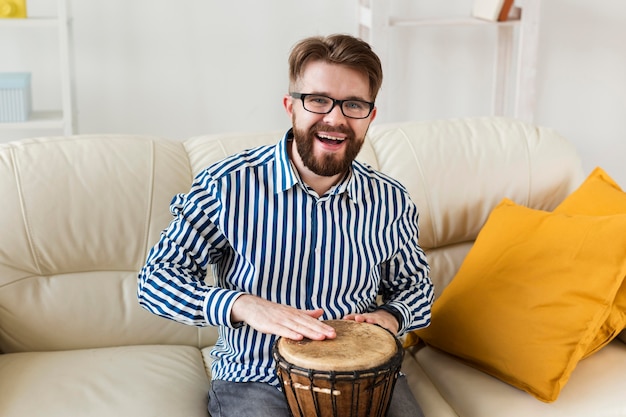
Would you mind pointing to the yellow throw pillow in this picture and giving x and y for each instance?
(531, 295)
(599, 195)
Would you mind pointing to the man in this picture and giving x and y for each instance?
(296, 233)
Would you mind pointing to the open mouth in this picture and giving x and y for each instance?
(330, 140)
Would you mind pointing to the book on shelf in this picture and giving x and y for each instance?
(493, 10)
(12, 9)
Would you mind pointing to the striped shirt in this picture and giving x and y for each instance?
(265, 232)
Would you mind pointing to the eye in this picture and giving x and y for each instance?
(356, 105)
(318, 100)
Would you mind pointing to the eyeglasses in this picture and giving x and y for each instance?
(319, 104)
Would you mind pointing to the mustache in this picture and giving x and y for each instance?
(322, 127)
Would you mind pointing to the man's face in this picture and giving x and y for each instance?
(328, 143)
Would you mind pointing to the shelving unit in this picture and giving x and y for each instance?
(376, 22)
(62, 119)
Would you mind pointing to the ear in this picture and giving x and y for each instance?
(373, 115)
(288, 104)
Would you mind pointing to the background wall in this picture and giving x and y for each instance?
(195, 67)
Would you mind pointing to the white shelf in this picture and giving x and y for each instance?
(58, 120)
(29, 22)
(375, 23)
(38, 120)
(457, 21)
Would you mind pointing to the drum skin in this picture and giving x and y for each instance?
(352, 375)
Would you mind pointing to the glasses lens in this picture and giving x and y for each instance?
(317, 104)
(356, 109)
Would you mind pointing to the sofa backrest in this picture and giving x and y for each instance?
(78, 217)
(81, 213)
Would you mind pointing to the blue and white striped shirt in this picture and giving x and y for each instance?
(267, 233)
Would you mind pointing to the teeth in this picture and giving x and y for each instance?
(322, 136)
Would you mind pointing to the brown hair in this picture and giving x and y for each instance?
(337, 49)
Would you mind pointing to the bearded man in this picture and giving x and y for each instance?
(296, 233)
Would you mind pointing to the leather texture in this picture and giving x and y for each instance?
(80, 213)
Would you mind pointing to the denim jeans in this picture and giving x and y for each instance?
(255, 399)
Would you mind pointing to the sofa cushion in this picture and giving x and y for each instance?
(595, 389)
(531, 295)
(82, 212)
(83, 311)
(125, 381)
(600, 195)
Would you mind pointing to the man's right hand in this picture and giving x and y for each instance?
(281, 320)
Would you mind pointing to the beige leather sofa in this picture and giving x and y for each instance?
(80, 213)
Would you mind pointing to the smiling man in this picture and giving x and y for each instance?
(296, 233)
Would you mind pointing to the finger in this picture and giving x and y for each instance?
(316, 314)
(359, 318)
(297, 324)
(316, 329)
(282, 320)
(366, 318)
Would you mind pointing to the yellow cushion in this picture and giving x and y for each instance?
(531, 295)
(600, 195)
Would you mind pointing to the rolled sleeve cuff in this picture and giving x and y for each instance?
(218, 307)
(394, 311)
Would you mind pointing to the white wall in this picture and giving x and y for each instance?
(582, 79)
(200, 66)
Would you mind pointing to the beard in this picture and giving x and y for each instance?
(329, 163)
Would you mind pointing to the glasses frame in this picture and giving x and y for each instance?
(336, 102)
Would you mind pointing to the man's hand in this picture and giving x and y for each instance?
(281, 320)
(380, 317)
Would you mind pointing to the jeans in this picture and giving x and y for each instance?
(255, 399)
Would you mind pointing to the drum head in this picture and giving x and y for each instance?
(358, 346)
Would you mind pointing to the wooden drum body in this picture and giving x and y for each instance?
(352, 375)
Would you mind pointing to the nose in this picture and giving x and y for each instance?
(335, 117)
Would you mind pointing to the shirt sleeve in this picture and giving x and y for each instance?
(172, 281)
(406, 284)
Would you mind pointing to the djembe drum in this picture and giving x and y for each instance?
(352, 375)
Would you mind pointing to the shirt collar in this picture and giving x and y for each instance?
(286, 175)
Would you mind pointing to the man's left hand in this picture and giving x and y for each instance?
(380, 317)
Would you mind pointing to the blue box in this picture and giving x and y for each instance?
(15, 97)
